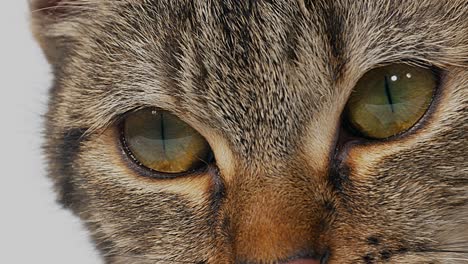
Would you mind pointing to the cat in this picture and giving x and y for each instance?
(279, 152)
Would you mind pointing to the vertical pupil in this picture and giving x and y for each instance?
(163, 135)
(388, 93)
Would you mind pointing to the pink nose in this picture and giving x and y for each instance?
(304, 261)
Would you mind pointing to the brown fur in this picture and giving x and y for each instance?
(265, 82)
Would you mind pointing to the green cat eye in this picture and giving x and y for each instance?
(162, 142)
(390, 100)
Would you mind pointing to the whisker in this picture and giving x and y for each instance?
(74, 6)
(451, 247)
(462, 243)
(447, 251)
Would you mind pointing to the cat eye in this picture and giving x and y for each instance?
(389, 100)
(163, 143)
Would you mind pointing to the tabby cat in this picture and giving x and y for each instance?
(261, 131)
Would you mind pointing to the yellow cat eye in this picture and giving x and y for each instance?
(162, 142)
(390, 100)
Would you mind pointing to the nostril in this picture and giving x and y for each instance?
(311, 260)
(324, 259)
(304, 261)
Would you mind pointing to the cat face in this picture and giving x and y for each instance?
(266, 84)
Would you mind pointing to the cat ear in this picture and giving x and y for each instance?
(52, 23)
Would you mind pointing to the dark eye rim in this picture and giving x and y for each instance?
(145, 171)
(421, 122)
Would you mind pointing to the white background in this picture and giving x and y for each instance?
(33, 228)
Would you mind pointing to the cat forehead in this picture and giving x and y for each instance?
(259, 71)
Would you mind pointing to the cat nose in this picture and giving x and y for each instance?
(274, 224)
(303, 261)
